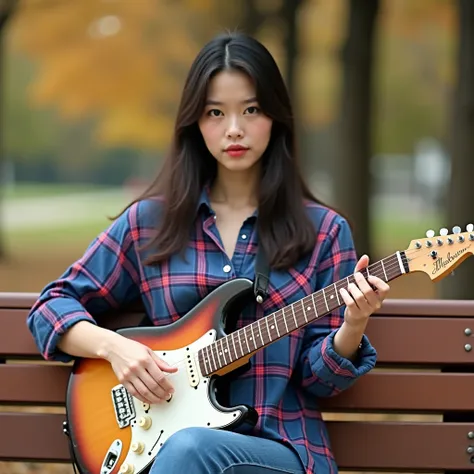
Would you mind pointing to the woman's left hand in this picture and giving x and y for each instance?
(361, 300)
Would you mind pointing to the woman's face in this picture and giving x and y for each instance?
(234, 129)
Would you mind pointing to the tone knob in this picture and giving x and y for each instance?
(144, 422)
(137, 447)
(127, 468)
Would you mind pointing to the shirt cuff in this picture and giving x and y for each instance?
(340, 371)
(52, 352)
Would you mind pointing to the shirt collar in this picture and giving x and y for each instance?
(204, 202)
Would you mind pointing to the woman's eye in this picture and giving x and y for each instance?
(252, 110)
(214, 113)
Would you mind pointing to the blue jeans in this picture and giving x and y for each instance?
(209, 451)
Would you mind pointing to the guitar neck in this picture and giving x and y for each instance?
(261, 333)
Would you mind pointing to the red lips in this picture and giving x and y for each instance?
(236, 148)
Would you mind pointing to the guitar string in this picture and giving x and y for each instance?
(391, 264)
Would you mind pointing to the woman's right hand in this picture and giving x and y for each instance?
(140, 370)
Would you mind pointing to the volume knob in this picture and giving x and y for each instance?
(137, 447)
(127, 469)
(144, 422)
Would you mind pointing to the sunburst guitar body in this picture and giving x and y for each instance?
(111, 432)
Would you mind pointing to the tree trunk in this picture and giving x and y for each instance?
(289, 13)
(460, 207)
(352, 187)
(6, 10)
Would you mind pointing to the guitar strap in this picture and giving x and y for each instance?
(262, 271)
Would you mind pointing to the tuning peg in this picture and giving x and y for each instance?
(430, 233)
(456, 229)
(444, 231)
(470, 227)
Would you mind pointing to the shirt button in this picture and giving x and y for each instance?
(227, 268)
(244, 236)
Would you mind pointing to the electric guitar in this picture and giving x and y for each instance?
(111, 432)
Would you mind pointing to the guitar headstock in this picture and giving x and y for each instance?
(437, 256)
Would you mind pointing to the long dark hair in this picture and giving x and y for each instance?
(284, 229)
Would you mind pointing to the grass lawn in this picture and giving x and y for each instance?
(29, 190)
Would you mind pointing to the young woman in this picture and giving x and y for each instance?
(230, 186)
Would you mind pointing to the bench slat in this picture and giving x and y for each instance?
(400, 446)
(16, 340)
(33, 384)
(406, 446)
(377, 391)
(406, 392)
(429, 340)
(421, 340)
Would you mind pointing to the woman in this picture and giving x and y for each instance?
(230, 186)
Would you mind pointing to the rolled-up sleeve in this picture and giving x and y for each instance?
(106, 276)
(321, 370)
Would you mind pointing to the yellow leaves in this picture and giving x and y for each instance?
(121, 62)
(152, 131)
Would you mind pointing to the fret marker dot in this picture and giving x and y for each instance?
(308, 308)
(272, 327)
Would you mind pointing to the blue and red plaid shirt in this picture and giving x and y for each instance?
(286, 378)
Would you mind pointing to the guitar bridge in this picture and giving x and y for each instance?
(123, 406)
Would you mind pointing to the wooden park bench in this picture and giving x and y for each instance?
(413, 413)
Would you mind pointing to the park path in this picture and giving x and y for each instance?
(47, 211)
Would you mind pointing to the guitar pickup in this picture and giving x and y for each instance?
(191, 368)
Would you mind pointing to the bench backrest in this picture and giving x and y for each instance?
(415, 411)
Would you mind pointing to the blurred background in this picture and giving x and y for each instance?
(383, 91)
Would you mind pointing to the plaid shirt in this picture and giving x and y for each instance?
(286, 378)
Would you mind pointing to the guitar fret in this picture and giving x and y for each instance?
(325, 300)
(260, 332)
(304, 312)
(229, 351)
(246, 339)
(268, 329)
(294, 315)
(253, 336)
(223, 351)
(383, 268)
(240, 342)
(233, 344)
(337, 294)
(314, 305)
(206, 358)
(215, 355)
(284, 320)
(276, 324)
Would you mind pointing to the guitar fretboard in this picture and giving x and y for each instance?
(261, 333)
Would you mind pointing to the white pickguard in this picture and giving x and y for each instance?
(189, 407)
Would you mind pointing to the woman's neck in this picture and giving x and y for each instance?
(237, 190)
